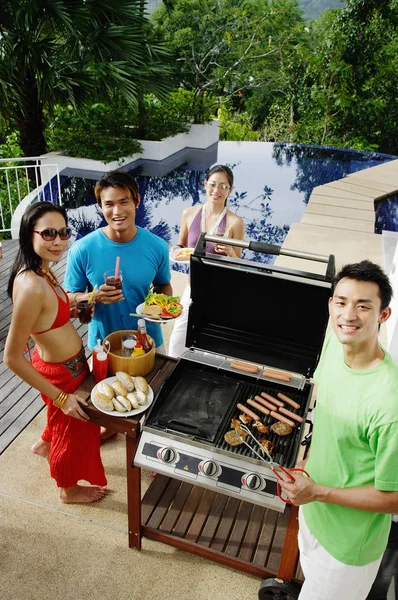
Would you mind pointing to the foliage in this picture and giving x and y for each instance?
(108, 132)
(99, 132)
(11, 186)
(60, 53)
(276, 126)
(230, 48)
(349, 97)
(235, 126)
(176, 113)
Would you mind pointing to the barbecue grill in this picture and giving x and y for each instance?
(271, 317)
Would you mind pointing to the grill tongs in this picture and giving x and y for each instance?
(276, 468)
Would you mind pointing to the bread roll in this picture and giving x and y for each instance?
(119, 388)
(126, 380)
(103, 402)
(105, 388)
(141, 384)
(124, 402)
(118, 405)
(132, 396)
(141, 397)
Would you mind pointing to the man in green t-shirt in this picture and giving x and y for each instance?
(353, 465)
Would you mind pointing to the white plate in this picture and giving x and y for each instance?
(176, 252)
(115, 413)
(140, 308)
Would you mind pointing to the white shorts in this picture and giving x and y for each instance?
(327, 578)
(179, 333)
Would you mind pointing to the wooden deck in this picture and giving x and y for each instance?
(19, 403)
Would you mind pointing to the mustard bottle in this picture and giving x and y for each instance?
(138, 350)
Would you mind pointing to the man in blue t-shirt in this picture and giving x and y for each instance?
(144, 260)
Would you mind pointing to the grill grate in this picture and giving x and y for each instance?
(286, 447)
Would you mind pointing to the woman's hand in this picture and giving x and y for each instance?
(72, 408)
(222, 249)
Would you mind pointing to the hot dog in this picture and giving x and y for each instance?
(249, 412)
(291, 414)
(271, 399)
(277, 375)
(283, 419)
(265, 411)
(242, 366)
(288, 400)
(265, 403)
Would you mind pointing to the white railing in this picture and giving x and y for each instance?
(23, 184)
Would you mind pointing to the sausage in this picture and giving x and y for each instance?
(291, 414)
(265, 411)
(247, 411)
(241, 366)
(283, 419)
(288, 400)
(277, 375)
(265, 403)
(271, 399)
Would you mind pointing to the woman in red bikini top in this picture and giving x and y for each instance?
(40, 306)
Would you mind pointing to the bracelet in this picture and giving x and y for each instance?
(180, 246)
(60, 399)
(75, 298)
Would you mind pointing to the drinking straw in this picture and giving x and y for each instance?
(117, 266)
(91, 296)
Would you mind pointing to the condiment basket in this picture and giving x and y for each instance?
(134, 365)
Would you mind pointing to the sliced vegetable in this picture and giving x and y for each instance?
(172, 309)
(162, 300)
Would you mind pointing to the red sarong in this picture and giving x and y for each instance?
(75, 445)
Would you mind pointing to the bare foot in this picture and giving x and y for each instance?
(82, 494)
(41, 448)
(106, 434)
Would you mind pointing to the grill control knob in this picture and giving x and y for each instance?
(209, 468)
(167, 455)
(253, 481)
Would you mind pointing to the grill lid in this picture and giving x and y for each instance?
(256, 312)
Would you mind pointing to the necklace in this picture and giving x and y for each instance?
(52, 278)
(217, 223)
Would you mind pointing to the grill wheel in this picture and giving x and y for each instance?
(276, 589)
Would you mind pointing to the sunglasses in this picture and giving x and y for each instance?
(49, 235)
(222, 186)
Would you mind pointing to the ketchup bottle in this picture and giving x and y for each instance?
(101, 366)
(142, 336)
(97, 348)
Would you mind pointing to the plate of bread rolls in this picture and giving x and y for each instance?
(122, 395)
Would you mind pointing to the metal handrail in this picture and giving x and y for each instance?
(18, 175)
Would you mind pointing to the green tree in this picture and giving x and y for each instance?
(231, 48)
(349, 95)
(71, 52)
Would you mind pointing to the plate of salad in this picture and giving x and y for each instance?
(160, 308)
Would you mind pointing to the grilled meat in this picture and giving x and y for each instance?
(246, 420)
(266, 444)
(235, 424)
(232, 439)
(261, 427)
(281, 428)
